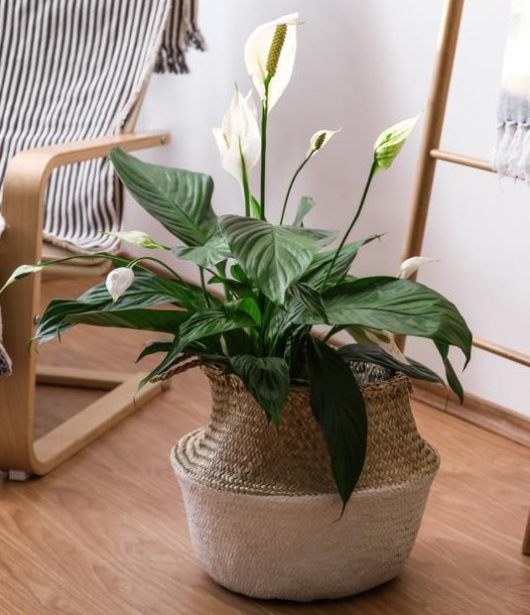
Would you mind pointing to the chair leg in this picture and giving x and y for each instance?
(526, 539)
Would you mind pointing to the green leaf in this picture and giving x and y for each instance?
(155, 348)
(166, 321)
(317, 271)
(400, 306)
(148, 290)
(304, 207)
(211, 323)
(370, 353)
(273, 257)
(311, 299)
(267, 379)
(214, 251)
(180, 200)
(452, 378)
(249, 305)
(339, 408)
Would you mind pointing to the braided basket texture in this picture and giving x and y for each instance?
(262, 506)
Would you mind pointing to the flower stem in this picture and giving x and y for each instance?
(297, 172)
(371, 174)
(264, 116)
(244, 177)
(155, 260)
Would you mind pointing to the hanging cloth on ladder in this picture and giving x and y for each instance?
(511, 155)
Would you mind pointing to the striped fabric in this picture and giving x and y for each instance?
(72, 70)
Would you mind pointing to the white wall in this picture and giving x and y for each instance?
(362, 66)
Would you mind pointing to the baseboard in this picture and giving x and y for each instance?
(476, 410)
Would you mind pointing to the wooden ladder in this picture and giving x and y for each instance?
(430, 154)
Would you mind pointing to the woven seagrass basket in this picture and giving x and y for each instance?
(262, 508)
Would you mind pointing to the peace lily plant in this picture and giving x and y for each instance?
(280, 277)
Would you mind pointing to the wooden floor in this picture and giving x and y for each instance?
(106, 533)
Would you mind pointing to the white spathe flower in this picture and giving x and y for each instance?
(270, 52)
(390, 141)
(118, 281)
(138, 238)
(319, 139)
(411, 265)
(239, 135)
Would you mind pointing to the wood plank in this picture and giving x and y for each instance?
(476, 410)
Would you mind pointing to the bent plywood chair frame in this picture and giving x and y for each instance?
(23, 207)
(430, 155)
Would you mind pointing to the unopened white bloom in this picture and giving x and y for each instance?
(411, 265)
(239, 135)
(319, 139)
(118, 281)
(270, 52)
(389, 143)
(138, 238)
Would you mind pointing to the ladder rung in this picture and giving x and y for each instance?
(466, 161)
(501, 351)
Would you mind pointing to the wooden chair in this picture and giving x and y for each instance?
(24, 189)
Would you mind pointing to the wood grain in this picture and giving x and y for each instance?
(105, 533)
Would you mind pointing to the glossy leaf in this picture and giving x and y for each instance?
(317, 271)
(311, 299)
(370, 353)
(267, 379)
(399, 306)
(164, 321)
(272, 256)
(452, 378)
(180, 200)
(211, 323)
(148, 290)
(338, 406)
(214, 251)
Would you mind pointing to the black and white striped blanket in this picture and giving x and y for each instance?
(73, 70)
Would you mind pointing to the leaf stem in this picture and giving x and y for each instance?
(134, 262)
(296, 173)
(264, 117)
(371, 175)
(203, 286)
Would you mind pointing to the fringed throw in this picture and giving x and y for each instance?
(181, 32)
(511, 156)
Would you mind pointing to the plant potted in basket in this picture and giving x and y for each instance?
(310, 479)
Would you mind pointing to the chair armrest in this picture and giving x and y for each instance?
(25, 184)
(36, 165)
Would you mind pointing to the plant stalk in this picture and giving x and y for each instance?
(203, 286)
(371, 175)
(244, 178)
(264, 117)
(296, 173)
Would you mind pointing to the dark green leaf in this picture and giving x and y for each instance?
(148, 289)
(166, 321)
(155, 348)
(339, 408)
(211, 323)
(214, 251)
(267, 379)
(370, 353)
(452, 378)
(304, 207)
(317, 271)
(272, 256)
(399, 306)
(248, 305)
(180, 200)
(311, 300)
